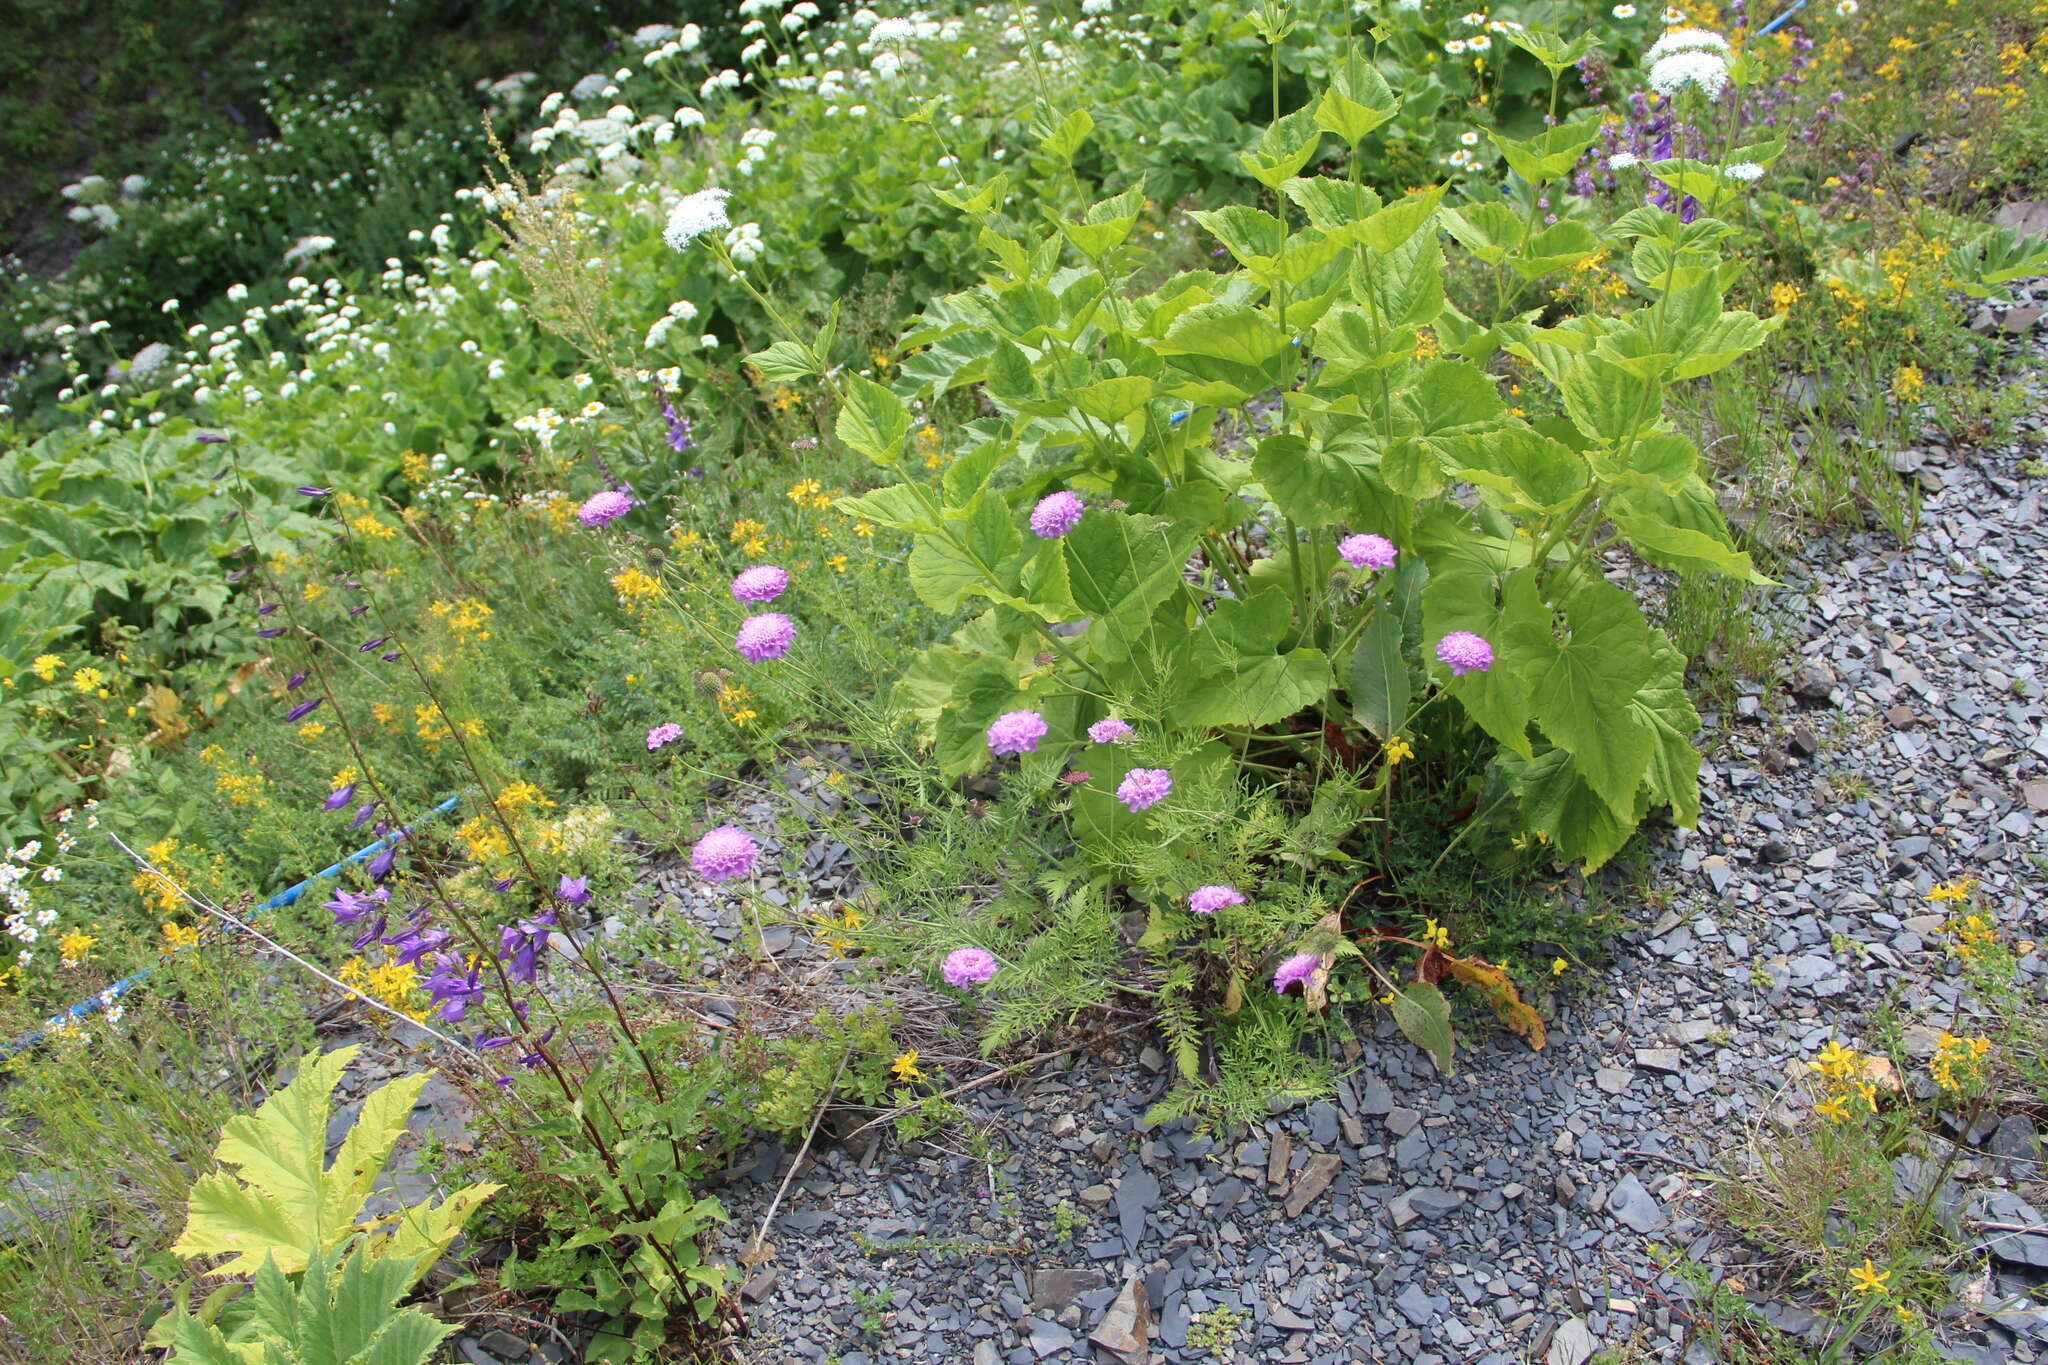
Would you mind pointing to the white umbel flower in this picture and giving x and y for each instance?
(1703, 69)
(696, 215)
(1621, 161)
(1744, 171)
(1685, 40)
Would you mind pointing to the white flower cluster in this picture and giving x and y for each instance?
(682, 310)
(744, 242)
(695, 215)
(1688, 57)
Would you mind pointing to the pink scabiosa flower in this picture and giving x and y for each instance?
(764, 637)
(1056, 514)
(1207, 900)
(668, 732)
(1144, 787)
(1295, 971)
(599, 508)
(1463, 652)
(762, 583)
(1016, 732)
(969, 967)
(1367, 552)
(724, 854)
(1110, 731)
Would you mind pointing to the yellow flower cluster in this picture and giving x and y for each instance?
(74, 945)
(638, 589)
(373, 527)
(733, 699)
(1783, 295)
(751, 536)
(240, 788)
(1849, 1090)
(1908, 383)
(1958, 1066)
(46, 666)
(832, 930)
(395, 984)
(467, 618)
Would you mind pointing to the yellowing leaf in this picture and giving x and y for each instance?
(280, 1201)
(1499, 990)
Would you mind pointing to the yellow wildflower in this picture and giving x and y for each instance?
(1957, 890)
(1867, 1278)
(1436, 934)
(1558, 966)
(311, 731)
(46, 666)
(178, 937)
(1907, 383)
(905, 1066)
(88, 679)
(637, 588)
(1398, 750)
(73, 946)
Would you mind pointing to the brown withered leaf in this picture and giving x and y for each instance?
(1493, 982)
(1322, 940)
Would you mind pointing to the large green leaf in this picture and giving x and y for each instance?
(1583, 694)
(1683, 530)
(1312, 484)
(1424, 1018)
(1120, 560)
(1664, 709)
(1558, 804)
(284, 1203)
(1380, 687)
(1230, 351)
(1550, 153)
(1258, 692)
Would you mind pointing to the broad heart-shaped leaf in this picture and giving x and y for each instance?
(1663, 707)
(1113, 399)
(1393, 225)
(1490, 230)
(1331, 205)
(785, 362)
(942, 573)
(1257, 692)
(1583, 693)
(1061, 141)
(1557, 803)
(1722, 341)
(1252, 235)
(1238, 630)
(1522, 470)
(1499, 989)
(1230, 351)
(1424, 1018)
(1683, 530)
(872, 421)
(906, 507)
(1119, 560)
(1549, 154)
(1404, 285)
(1312, 484)
(1358, 99)
(1284, 148)
(1560, 245)
(1380, 687)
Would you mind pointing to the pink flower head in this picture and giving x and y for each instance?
(723, 854)
(1144, 787)
(763, 637)
(599, 508)
(1016, 732)
(1056, 514)
(1076, 777)
(668, 732)
(1463, 652)
(1207, 900)
(762, 583)
(1110, 731)
(1367, 552)
(1295, 971)
(969, 967)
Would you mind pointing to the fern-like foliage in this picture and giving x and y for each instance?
(337, 1314)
